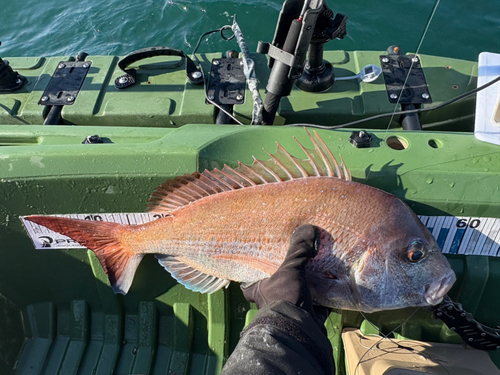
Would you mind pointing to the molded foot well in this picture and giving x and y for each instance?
(12, 335)
(79, 341)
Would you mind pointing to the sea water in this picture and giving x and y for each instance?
(459, 28)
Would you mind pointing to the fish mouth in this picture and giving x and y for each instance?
(435, 292)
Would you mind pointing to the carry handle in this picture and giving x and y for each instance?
(193, 75)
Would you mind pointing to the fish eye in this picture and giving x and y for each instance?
(416, 252)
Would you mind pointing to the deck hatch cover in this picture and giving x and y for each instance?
(65, 83)
(395, 69)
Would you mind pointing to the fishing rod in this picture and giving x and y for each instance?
(299, 22)
(279, 83)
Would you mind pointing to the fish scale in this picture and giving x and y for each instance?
(224, 226)
(234, 224)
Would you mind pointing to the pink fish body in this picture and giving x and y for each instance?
(235, 224)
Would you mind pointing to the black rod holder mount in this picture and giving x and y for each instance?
(319, 75)
(9, 79)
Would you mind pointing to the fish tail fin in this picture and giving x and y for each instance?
(105, 239)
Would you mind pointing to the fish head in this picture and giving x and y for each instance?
(401, 265)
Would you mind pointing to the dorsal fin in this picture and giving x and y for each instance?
(281, 166)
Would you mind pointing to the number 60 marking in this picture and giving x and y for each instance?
(463, 223)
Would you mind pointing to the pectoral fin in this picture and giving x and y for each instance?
(191, 278)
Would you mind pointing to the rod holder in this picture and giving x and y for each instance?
(318, 75)
(9, 80)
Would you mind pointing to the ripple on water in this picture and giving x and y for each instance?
(52, 28)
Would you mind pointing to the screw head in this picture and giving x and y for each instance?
(239, 97)
(211, 97)
(483, 334)
(425, 95)
(123, 80)
(414, 59)
(452, 328)
(216, 62)
(439, 314)
(70, 98)
(61, 65)
(385, 60)
(196, 75)
(470, 339)
(45, 98)
(393, 96)
(462, 314)
(86, 65)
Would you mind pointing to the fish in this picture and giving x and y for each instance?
(234, 224)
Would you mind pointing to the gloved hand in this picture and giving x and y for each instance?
(282, 337)
(288, 283)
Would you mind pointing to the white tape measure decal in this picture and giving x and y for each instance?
(465, 235)
(454, 234)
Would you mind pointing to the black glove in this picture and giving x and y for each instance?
(288, 283)
(286, 318)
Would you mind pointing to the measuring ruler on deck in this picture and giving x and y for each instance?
(454, 234)
(465, 235)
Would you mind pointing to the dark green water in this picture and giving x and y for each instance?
(460, 28)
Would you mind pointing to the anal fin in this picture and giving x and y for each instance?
(191, 278)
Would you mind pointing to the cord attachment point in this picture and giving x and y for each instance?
(126, 80)
(360, 139)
